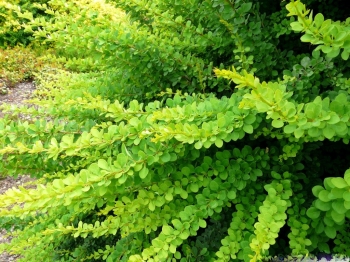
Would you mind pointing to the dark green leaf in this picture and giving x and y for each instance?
(244, 8)
(214, 186)
(330, 232)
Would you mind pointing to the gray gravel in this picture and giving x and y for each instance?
(17, 95)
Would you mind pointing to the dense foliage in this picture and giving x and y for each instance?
(182, 130)
(18, 65)
(11, 20)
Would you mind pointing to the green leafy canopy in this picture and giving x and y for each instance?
(179, 131)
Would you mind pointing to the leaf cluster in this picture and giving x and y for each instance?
(17, 65)
(11, 20)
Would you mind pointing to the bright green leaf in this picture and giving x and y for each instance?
(177, 224)
(328, 132)
(202, 223)
(277, 123)
(339, 182)
(167, 230)
(143, 172)
(345, 55)
(334, 53)
(313, 213)
(231, 195)
(288, 129)
(318, 20)
(296, 26)
(249, 119)
(248, 129)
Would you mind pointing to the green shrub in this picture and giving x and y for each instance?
(152, 155)
(17, 65)
(3, 87)
(13, 16)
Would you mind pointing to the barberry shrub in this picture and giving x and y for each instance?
(12, 32)
(182, 130)
(18, 64)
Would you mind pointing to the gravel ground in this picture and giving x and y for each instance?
(15, 96)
